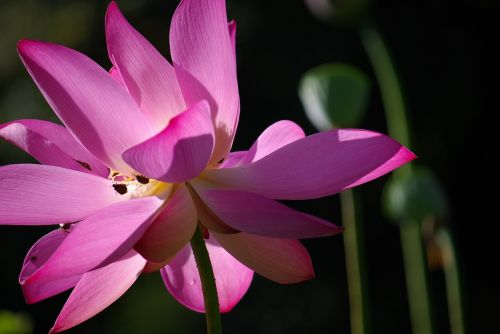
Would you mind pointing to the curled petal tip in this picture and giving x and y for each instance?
(112, 9)
(408, 155)
(23, 44)
(312, 275)
(306, 276)
(54, 330)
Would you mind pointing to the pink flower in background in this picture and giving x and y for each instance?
(143, 156)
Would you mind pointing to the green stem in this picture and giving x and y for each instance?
(416, 278)
(390, 87)
(453, 282)
(355, 263)
(212, 313)
(397, 123)
(389, 83)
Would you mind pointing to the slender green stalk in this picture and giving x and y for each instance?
(212, 313)
(397, 123)
(416, 278)
(389, 83)
(453, 282)
(355, 263)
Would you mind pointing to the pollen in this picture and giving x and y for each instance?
(120, 188)
(139, 186)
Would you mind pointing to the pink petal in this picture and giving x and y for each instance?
(98, 240)
(178, 153)
(204, 62)
(37, 256)
(45, 195)
(156, 266)
(182, 279)
(98, 289)
(149, 78)
(280, 260)
(318, 165)
(232, 159)
(51, 144)
(255, 214)
(274, 137)
(116, 75)
(172, 228)
(93, 106)
(232, 35)
(207, 217)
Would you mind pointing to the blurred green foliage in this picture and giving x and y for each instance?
(64, 21)
(12, 323)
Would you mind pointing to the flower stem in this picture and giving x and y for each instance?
(416, 278)
(355, 262)
(453, 281)
(398, 128)
(389, 83)
(212, 313)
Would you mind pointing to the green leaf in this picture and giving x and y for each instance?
(334, 95)
(12, 323)
(415, 196)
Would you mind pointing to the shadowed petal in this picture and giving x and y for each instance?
(178, 153)
(318, 165)
(206, 216)
(155, 266)
(37, 256)
(249, 212)
(98, 240)
(98, 289)
(280, 260)
(274, 137)
(182, 279)
(232, 159)
(172, 228)
(51, 144)
(46, 195)
(204, 62)
(149, 78)
(93, 106)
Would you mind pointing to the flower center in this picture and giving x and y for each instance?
(139, 186)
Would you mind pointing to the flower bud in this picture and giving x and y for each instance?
(415, 196)
(344, 12)
(334, 95)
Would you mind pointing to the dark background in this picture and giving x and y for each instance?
(444, 50)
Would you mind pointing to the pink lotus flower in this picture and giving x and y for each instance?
(139, 164)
